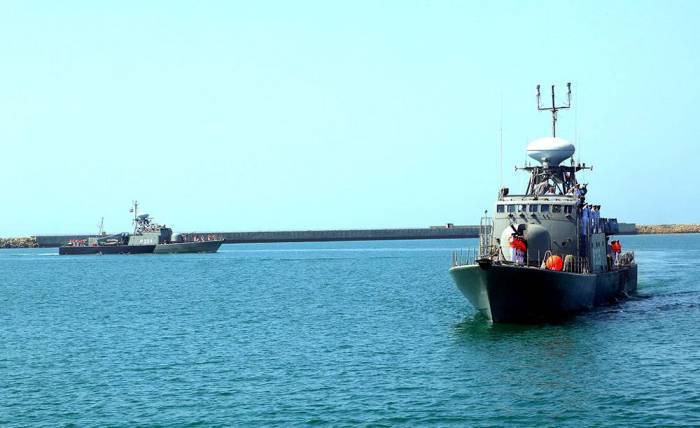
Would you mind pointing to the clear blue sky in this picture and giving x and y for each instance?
(310, 115)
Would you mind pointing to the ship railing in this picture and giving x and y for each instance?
(577, 264)
(465, 257)
(485, 232)
(492, 252)
(571, 263)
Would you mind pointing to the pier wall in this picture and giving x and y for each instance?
(454, 232)
(341, 235)
(627, 228)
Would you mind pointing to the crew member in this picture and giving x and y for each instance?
(585, 223)
(513, 247)
(617, 249)
(522, 249)
(595, 218)
(585, 219)
(581, 194)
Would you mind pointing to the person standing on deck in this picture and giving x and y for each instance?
(521, 249)
(579, 195)
(595, 219)
(617, 249)
(585, 224)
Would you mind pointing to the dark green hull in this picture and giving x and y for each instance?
(512, 294)
(105, 249)
(189, 247)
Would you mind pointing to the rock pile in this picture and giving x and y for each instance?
(25, 242)
(668, 228)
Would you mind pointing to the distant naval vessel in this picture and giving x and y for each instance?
(147, 231)
(148, 237)
(545, 254)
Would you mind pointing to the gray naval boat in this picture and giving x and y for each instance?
(148, 238)
(148, 232)
(545, 255)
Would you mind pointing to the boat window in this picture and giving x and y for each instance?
(556, 208)
(500, 208)
(533, 208)
(522, 208)
(544, 208)
(511, 208)
(568, 209)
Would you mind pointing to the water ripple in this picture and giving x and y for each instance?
(333, 334)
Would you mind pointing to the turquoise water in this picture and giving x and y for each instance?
(354, 333)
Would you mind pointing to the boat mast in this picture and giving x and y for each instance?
(554, 107)
(135, 210)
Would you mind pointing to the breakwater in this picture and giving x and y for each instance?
(434, 232)
(454, 232)
(441, 232)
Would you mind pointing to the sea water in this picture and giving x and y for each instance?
(348, 333)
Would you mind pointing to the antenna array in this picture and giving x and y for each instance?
(554, 108)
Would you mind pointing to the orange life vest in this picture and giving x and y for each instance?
(554, 263)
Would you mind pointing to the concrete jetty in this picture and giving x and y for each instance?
(435, 232)
(448, 231)
(452, 232)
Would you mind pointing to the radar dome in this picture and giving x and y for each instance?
(550, 151)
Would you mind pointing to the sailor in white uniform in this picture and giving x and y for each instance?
(585, 224)
(595, 218)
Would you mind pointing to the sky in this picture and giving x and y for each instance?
(279, 115)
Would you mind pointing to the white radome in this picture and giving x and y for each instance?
(550, 151)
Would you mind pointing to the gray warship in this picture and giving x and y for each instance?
(147, 231)
(148, 237)
(545, 254)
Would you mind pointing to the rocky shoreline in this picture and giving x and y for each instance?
(24, 242)
(660, 229)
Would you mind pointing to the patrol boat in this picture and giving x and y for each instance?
(544, 255)
(148, 237)
(147, 231)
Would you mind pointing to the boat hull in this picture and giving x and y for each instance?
(515, 294)
(106, 249)
(189, 247)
